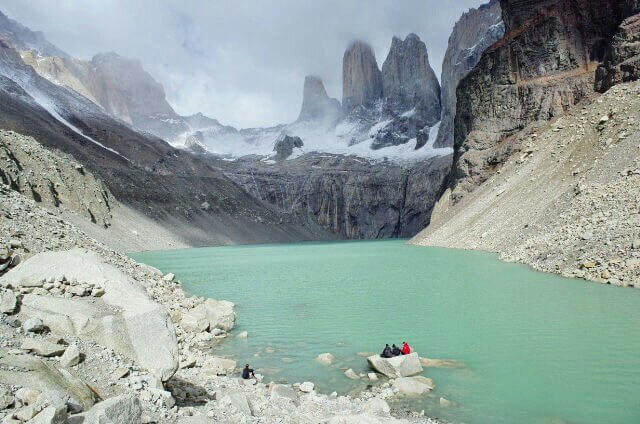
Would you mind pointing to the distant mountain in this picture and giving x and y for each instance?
(142, 171)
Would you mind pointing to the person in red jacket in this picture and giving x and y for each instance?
(406, 349)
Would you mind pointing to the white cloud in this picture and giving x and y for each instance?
(243, 62)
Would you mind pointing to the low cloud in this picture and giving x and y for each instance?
(242, 63)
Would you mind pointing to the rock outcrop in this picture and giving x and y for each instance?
(352, 198)
(544, 65)
(398, 366)
(317, 106)
(622, 62)
(408, 81)
(285, 144)
(361, 78)
(474, 32)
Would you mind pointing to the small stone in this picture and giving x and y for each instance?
(325, 358)
(307, 387)
(70, 357)
(445, 402)
(169, 277)
(97, 292)
(43, 348)
(351, 374)
(27, 396)
(8, 302)
(372, 376)
(120, 373)
(242, 335)
(33, 325)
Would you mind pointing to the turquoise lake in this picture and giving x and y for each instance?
(537, 348)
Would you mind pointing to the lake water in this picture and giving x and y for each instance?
(537, 348)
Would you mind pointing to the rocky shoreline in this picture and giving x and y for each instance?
(75, 345)
(566, 200)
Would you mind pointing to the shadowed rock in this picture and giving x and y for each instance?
(408, 80)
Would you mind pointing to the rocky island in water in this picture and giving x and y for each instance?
(526, 143)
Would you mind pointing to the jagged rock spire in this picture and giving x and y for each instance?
(316, 104)
(408, 80)
(361, 78)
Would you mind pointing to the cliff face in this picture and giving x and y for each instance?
(361, 78)
(544, 64)
(352, 198)
(622, 63)
(408, 80)
(317, 106)
(474, 32)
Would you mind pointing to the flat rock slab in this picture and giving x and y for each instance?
(29, 371)
(413, 386)
(43, 347)
(123, 409)
(398, 366)
(125, 318)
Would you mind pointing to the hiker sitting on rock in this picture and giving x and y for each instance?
(395, 351)
(386, 353)
(247, 372)
(406, 349)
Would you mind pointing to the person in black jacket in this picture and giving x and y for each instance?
(395, 351)
(247, 372)
(386, 353)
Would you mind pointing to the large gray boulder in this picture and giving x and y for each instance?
(398, 366)
(125, 319)
(123, 409)
(209, 315)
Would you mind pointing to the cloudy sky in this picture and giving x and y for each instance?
(242, 61)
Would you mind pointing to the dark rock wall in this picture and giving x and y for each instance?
(545, 64)
(474, 32)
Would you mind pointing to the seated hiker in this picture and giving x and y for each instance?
(406, 349)
(395, 351)
(386, 353)
(247, 372)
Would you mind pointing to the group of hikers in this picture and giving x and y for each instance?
(390, 352)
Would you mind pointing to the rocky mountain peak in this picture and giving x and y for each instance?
(475, 31)
(361, 78)
(408, 80)
(316, 104)
(22, 38)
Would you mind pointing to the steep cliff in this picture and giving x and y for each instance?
(350, 197)
(474, 32)
(544, 64)
(317, 106)
(622, 61)
(408, 81)
(361, 78)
